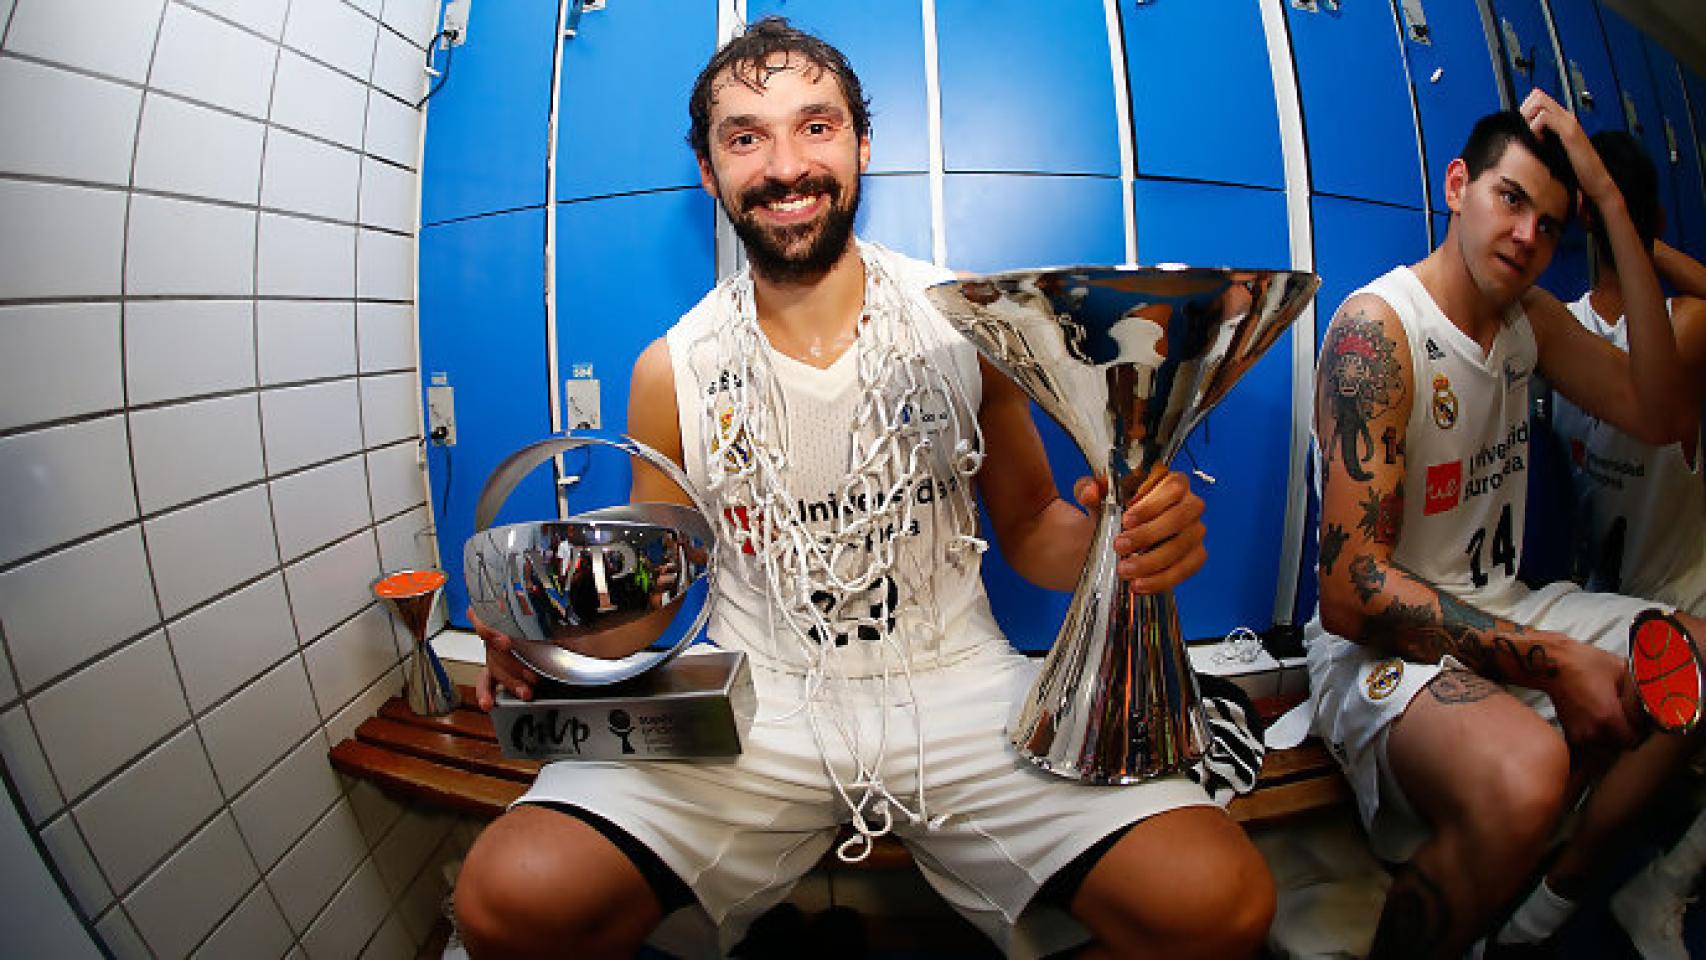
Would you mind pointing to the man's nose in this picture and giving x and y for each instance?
(1527, 227)
(787, 161)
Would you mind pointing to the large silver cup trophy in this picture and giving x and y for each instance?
(600, 605)
(1128, 361)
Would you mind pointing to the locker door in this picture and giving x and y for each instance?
(627, 268)
(1356, 102)
(1587, 65)
(1245, 443)
(884, 42)
(1526, 51)
(1451, 68)
(1640, 103)
(482, 321)
(486, 153)
(1680, 153)
(1026, 88)
(1695, 88)
(622, 119)
(1202, 96)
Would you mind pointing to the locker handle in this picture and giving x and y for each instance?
(1416, 21)
(1584, 96)
(1670, 143)
(1513, 48)
(1316, 6)
(1632, 118)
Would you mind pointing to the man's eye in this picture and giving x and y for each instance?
(740, 140)
(817, 128)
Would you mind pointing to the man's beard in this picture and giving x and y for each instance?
(768, 249)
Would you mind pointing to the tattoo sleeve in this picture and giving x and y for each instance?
(1411, 618)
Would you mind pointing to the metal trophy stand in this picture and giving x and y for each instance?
(409, 595)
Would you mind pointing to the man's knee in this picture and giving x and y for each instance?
(537, 879)
(1202, 890)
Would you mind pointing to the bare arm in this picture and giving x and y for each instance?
(1639, 394)
(652, 420)
(1364, 390)
(1685, 273)
(1047, 539)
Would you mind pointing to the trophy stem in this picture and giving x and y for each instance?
(410, 595)
(1143, 718)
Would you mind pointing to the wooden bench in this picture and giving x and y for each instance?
(453, 762)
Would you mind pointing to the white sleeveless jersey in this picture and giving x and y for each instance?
(1640, 508)
(1466, 450)
(946, 620)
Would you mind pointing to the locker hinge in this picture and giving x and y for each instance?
(1520, 62)
(1630, 117)
(1670, 143)
(1316, 6)
(1579, 82)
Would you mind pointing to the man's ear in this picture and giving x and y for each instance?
(707, 179)
(864, 153)
(1456, 184)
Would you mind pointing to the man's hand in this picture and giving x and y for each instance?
(502, 669)
(1595, 699)
(1544, 113)
(1160, 543)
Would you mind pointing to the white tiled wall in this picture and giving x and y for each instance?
(208, 450)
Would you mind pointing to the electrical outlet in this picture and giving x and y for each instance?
(441, 416)
(580, 404)
(456, 21)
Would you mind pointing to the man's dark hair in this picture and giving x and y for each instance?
(1494, 132)
(1636, 178)
(749, 58)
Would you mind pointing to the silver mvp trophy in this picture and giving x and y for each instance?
(600, 605)
(1127, 360)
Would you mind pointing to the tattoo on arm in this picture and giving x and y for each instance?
(1361, 380)
(1331, 543)
(1423, 623)
(1382, 515)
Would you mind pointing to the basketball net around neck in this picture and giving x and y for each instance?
(860, 576)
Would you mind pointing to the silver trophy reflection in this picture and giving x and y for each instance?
(1128, 361)
(601, 604)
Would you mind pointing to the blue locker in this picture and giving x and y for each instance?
(1244, 444)
(622, 120)
(1695, 87)
(1451, 70)
(1355, 242)
(1356, 103)
(1202, 95)
(1026, 88)
(627, 268)
(482, 320)
(894, 210)
(1640, 102)
(1681, 155)
(485, 152)
(1587, 65)
(890, 65)
(1004, 222)
(1527, 54)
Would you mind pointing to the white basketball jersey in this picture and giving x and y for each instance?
(946, 619)
(1466, 449)
(1641, 508)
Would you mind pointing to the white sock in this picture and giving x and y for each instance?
(1539, 917)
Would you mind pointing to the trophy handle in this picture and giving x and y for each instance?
(566, 665)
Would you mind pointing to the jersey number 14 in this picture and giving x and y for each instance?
(1503, 554)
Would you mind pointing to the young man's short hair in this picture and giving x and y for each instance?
(1495, 131)
(748, 60)
(1636, 178)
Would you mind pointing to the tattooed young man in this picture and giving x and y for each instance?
(1466, 709)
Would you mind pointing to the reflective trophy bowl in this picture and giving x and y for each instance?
(599, 597)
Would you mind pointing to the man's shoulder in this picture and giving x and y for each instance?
(910, 271)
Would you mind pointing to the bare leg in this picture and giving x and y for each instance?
(538, 880)
(1489, 776)
(1183, 884)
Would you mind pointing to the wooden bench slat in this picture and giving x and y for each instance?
(465, 721)
(1281, 802)
(469, 753)
(1307, 759)
(412, 777)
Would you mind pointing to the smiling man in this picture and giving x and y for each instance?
(838, 426)
(1466, 709)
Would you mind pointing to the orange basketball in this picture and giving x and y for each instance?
(1667, 671)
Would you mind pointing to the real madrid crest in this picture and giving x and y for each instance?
(1383, 678)
(1444, 403)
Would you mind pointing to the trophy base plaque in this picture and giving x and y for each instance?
(695, 706)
